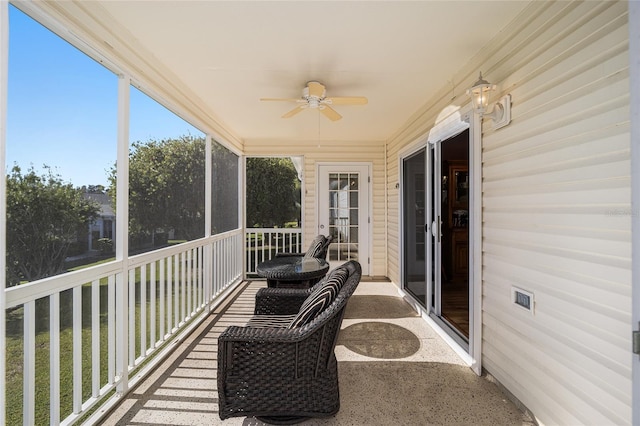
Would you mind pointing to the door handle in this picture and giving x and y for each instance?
(436, 228)
(321, 226)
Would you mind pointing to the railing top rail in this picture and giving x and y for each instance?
(272, 230)
(47, 286)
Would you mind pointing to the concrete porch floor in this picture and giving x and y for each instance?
(394, 369)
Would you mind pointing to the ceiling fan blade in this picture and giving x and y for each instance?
(348, 100)
(316, 89)
(330, 113)
(294, 111)
(281, 99)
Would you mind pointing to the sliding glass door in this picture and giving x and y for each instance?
(435, 232)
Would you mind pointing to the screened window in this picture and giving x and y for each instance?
(166, 177)
(61, 143)
(273, 193)
(224, 189)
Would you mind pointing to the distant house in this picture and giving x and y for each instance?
(105, 225)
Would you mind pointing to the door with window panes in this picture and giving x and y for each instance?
(343, 192)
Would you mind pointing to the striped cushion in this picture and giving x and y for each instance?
(275, 321)
(315, 248)
(321, 298)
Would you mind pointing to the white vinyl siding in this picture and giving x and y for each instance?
(556, 211)
(329, 151)
(556, 197)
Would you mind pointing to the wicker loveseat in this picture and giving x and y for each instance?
(318, 248)
(278, 371)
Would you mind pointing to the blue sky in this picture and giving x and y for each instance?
(62, 107)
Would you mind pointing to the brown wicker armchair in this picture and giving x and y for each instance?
(284, 374)
(318, 248)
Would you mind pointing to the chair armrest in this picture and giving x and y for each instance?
(243, 348)
(256, 335)
(279, 301)
(289, 254)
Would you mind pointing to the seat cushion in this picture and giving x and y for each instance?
(321, 298)
(315, 249)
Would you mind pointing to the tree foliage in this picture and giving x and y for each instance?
(273, 192)
(44, 217)
(166, 187)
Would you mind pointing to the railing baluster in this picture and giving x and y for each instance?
(111, 328)
(214, 268)
(207, 278)
(191, 299)
(176, 292)
(152, 301)
(198, 277)
(223, 262)
(170, 295)
(132, 318)
(54, 358)
(29, 361)
(77, 349)
(162, 300)
(261, 257)
(143, 310)
(183, 289)
(95, 338)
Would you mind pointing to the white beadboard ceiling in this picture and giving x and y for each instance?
(232, 53)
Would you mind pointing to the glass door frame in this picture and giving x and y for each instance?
(453, 124)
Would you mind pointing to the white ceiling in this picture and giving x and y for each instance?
(232, 53)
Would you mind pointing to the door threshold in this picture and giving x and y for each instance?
(460, 350)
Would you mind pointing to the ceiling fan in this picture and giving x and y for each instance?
(314, 96)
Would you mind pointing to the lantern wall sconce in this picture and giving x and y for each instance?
(500, 112)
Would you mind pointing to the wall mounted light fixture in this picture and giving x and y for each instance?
(500, 112)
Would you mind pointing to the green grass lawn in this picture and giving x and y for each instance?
(14, 349)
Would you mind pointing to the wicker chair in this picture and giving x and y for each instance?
(284, 375)
(318, 248)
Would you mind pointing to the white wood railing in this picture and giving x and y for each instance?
(105, 321)
(263, 244)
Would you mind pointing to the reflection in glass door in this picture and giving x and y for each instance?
(414, 212)
(450, 306)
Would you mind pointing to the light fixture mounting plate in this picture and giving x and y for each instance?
(502, 105)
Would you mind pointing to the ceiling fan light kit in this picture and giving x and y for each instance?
(314, 97)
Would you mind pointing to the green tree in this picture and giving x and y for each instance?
(166, 187)
(273, 192)
(93, 189)
(44, 217)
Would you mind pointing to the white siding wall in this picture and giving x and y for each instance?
(556, 218)
(556, 211)
(339, 152)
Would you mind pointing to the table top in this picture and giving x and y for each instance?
(293, 268)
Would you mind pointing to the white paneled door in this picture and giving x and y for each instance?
(344, 212)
